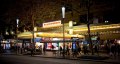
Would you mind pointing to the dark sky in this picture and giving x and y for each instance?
(12, 5)
(6, 5)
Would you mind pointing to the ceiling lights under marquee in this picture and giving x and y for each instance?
(44, 34)
(101, 27)
(59, 35)
(26, 35)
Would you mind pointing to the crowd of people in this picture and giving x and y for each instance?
(70, 51)
(113, 49)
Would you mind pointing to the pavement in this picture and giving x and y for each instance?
(98, 58)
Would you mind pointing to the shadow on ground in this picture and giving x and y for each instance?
(93, 57)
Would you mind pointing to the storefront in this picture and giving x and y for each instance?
(8, 44)
(47, 40)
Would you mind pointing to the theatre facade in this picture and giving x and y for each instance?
(52, 34)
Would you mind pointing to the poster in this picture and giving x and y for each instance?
(49, 45)
(74, 45)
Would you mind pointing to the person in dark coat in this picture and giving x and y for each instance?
(61, 50)
(44, 49)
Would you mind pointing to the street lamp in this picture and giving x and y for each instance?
(63, 12)
(33, 41)
(63, 16)
(17, 23)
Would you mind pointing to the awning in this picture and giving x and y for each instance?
(44, 34)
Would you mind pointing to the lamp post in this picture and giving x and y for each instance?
(63, 16)
(33, 41)
(17, 23)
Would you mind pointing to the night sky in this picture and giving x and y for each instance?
(4, 6)
(16, 7)
(13, 9)
(5, 13)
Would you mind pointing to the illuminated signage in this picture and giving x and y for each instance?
(52, 24)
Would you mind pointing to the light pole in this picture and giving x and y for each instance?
(63, 16)
(33, 41)
(17, 23)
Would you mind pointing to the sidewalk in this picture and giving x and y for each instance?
(82, 57)
(100, 58)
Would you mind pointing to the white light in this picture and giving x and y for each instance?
(7, 33)
(55, 39)
(40, 33)
(35, 28)
(106, 21)
(63, 12)
(118, 41)
(70, 23)
(17, 21)
(12, 32)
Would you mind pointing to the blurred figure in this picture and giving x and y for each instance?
(1, 50)
(61, 50)
(95, 47)
(112, 49)
(67, 50)
(44, 49)
(118, 49)
(79, 50)
(85, 49)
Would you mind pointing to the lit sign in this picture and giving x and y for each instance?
(52, 24)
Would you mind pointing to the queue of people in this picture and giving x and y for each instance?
(113, 49)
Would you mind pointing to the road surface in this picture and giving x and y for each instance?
(19, 59)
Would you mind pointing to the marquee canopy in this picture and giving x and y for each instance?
(44, 34)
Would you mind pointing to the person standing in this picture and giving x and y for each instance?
(67, 50)
(96, 49)
(85, 49)
(44, 50)
(60, 50)
(79, 50)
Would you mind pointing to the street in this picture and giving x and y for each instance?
(19, 59)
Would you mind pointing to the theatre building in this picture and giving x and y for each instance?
(52, 34)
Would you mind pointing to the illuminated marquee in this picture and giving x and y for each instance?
(52, 24)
